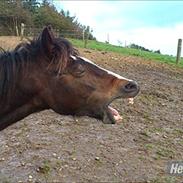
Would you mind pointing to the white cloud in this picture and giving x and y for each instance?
(115, 18)
(154, 38)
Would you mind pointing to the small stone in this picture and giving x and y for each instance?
(22, 163)
(97, 158)
(2, 159)
(74, 159)
(30, 176)
(54, 154)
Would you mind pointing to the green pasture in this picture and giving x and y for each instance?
(95, 45)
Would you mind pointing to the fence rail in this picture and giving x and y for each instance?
(32, 31)
(66, 33)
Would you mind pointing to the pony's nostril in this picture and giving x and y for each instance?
(131, 86)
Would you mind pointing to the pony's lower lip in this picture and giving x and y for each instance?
(111, 115)
(108, 117)
(115, 113)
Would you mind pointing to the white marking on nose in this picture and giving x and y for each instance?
(109, 72)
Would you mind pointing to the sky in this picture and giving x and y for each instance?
(152, 24)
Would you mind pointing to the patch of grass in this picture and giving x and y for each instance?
(147, 117)
(95, 45)
(149, 146)
(4, 179)
(156, 129)
(149, 99)
(144, 133)
(98, 162)
(45, 168)
(164, 152)
(144, 136)
(142, 158)
(178, 131)
(58, 164)
(167, 179)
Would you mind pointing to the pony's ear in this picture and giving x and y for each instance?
(47, 38)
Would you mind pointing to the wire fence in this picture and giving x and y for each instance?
(66, 33)
(33, 32)
(30, 32)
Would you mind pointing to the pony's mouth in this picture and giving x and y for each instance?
(111, 115)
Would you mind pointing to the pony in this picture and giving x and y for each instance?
(48, 73)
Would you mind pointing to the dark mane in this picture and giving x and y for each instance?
(15, 62)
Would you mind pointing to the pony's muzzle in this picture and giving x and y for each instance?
(131, 88)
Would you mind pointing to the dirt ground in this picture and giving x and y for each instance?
(48, 147)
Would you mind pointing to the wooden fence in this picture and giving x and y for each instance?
(76, 34)
(179, 47)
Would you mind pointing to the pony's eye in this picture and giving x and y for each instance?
(78, 70)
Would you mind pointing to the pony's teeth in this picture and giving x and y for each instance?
(131, 100)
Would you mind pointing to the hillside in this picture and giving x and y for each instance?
(95, 45)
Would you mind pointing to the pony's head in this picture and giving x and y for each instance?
(76, 86)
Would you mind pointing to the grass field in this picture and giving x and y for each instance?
(127, 51)
(95, 45)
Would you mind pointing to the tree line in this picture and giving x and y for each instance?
(37, 14)
(135, 46)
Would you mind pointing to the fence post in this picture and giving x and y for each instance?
(86, 35)
(57, 32)
(16, 26)
(179, 46)
(83, 35)
(85, 38)
(22, 31)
